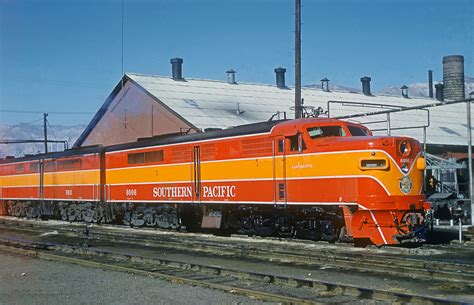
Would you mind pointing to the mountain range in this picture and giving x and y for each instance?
(35, 132)
(414, 90)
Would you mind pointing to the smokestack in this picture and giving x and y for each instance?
(231, 76)
(366, 85)
(280, 77)
(325, 84)
(176, 68)
(439, 92)
(404, 91)
(430, 83)
(453, 77)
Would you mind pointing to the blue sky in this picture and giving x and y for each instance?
(65, 56)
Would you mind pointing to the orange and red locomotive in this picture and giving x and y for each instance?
(322, 179)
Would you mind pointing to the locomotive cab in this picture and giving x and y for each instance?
(375, 181)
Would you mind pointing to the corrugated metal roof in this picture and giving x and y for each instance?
(218, 104)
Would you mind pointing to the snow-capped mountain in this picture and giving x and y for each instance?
(333, 87)
(421, 89)
(35, 132)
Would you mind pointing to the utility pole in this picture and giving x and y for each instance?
(45, 129)
(469, 154)
(298, 59)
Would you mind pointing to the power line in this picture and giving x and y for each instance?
(21, 124)
(41, 112)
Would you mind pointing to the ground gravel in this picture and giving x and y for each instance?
(25, 280)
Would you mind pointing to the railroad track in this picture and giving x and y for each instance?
(263, 286)
(277, 252)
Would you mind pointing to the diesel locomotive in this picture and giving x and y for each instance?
(313, 178)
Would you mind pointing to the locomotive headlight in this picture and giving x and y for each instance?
(404, 148)
(405, 184)
(421, 163)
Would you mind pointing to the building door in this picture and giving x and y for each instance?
(197, 174)
(279, 172)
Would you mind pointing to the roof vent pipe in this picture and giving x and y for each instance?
(430, 83)
(366, 85)
(280, 77)
(439, 92)
(176, 68)
(231, 76)
(404, 91)
(325, 84)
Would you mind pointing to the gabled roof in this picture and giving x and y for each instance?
(218, 104)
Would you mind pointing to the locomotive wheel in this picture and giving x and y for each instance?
(10, 208)
(28, 212)
(97, 215)
(137, 220)
(149, 218)
(265, 228)
(162, 221)
(88, 215)
(79, 212)
(329, 231)
(71, 212)
(35, 212)
(173, 220)
(63, 212)
(126, 218)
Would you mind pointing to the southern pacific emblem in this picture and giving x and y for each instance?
(405, 184)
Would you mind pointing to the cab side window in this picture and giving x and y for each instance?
(281, 145)
(297, 143)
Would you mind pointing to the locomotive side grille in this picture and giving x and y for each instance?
(208, 152)
(256, 147)
(181, 154)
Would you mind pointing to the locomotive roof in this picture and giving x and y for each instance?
(54, 155)
(247, 129)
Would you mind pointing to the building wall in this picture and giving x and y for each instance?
(131, 115)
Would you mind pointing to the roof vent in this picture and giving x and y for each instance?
(280, 77)
(231, 76)
(439, 92)
(325, 84)
(366, 85)
(176, 68)
(404, 89)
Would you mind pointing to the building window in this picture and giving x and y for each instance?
(145, 157)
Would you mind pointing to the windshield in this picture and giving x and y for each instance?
(357, 131)
(326, 131)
